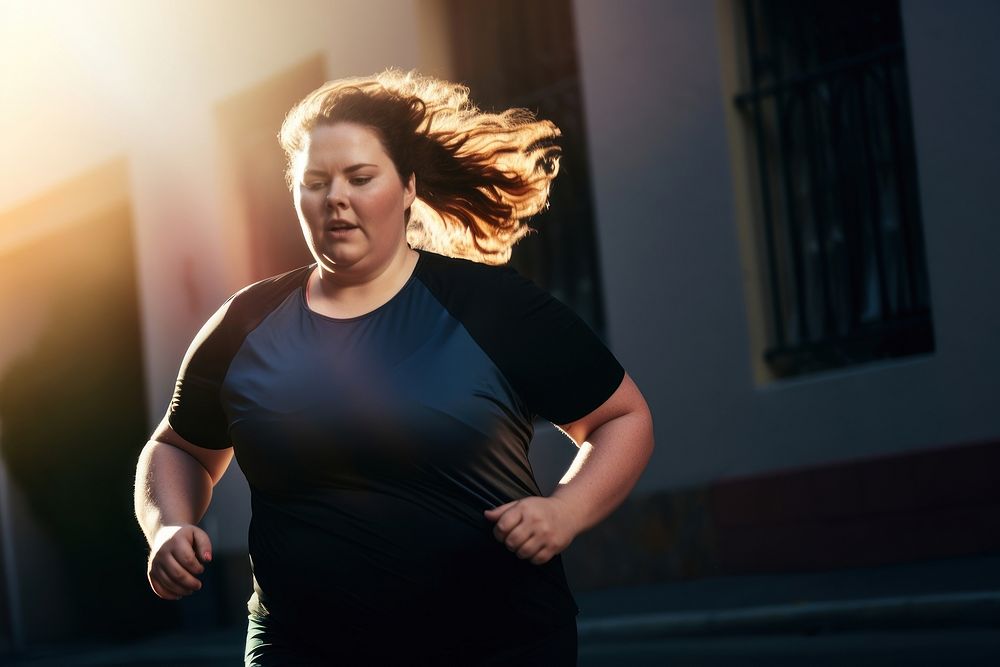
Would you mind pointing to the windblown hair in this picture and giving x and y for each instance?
(479, 176)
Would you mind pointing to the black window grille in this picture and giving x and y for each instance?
(827, 107)
(522, 53)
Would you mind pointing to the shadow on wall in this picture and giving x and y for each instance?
(73, 414)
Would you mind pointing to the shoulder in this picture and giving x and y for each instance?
(249, 305)
(242, 312)
(558, 365)
(466, 287)
(264, 292)
(444, 267)
(195, 411)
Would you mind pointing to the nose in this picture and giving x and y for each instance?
(336, 197)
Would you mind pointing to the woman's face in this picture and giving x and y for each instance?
(350, 199)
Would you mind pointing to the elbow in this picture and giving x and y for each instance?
(646, 417)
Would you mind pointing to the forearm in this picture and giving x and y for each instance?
(171, 487)
(606, 468)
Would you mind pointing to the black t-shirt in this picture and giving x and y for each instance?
(373, 445)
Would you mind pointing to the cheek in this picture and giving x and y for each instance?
(383, 204)
(310, 205)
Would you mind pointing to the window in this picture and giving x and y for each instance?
(825, 106)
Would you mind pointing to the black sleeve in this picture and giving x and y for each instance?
(196, 412)
(555, 362)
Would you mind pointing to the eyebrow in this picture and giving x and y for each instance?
(353, 168)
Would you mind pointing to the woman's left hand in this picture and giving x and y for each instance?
(535, 527)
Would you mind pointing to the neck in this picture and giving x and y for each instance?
(347, 293)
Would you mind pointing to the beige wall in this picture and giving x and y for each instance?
(85, 82)
(675, 280)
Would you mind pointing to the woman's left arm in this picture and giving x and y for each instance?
(615, 441)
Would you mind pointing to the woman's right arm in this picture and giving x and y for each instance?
(173, 488)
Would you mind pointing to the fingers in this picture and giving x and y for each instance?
(173, 577)
(506, 523)
(531, 528)
(202, 545)
(519, 536)
(535, 550)
(163, 587)
(182, 570)
(497, 511)
(516, 538)
(529, 546)
(189, 561)
(173, 565)
(542, 557)
(163, 590)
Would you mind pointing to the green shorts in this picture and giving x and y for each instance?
(270, 645)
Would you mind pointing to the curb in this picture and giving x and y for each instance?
(979, 609)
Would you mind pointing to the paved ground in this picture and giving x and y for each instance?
(960, 648)
(964, 648)
(941, 613)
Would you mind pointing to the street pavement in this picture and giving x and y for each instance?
(960, 648)
(939, 613)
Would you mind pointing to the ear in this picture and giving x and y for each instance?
(409, 191)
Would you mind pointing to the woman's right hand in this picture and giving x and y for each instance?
(179, 554)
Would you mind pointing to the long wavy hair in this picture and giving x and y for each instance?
(479, 176)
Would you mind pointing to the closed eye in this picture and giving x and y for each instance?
(315, 185)
(360, 180)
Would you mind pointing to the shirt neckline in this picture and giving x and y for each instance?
(370, 313)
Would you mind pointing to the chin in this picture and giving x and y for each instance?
(342, 258)
(336, 260)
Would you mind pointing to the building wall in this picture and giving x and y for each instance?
(875, 464)
(678, 317)
(72, 412)
(145, 81)
(952, 57)
(88, 83)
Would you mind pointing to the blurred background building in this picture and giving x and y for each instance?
(780, 215)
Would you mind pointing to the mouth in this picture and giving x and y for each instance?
(340, 226)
